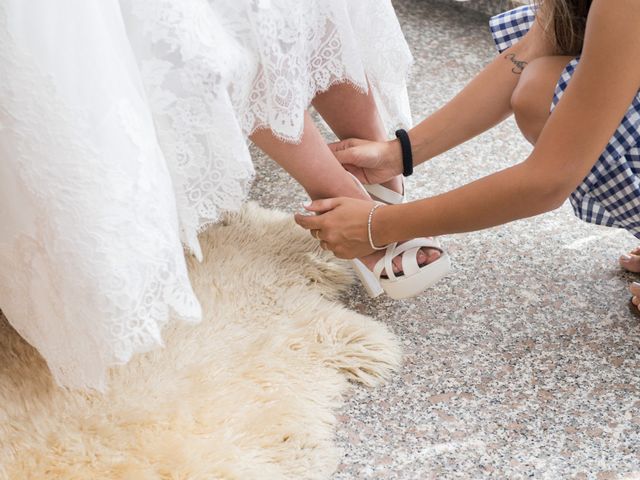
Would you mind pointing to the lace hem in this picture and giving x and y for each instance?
(91, 266)
(215, 72)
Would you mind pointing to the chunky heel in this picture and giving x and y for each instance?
(367, 278)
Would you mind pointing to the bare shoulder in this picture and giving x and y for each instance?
(613, 26)
(612, 45)
(607, 9)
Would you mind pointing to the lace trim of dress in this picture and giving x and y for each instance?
(217, 71)
(185, 70)
(91, 272)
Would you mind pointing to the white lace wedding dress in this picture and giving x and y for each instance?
(123, 129)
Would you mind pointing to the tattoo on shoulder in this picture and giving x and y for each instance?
(518, 64)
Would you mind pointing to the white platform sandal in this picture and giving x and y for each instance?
(414, 278)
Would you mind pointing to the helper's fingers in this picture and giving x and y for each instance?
(344, 144)
(324, 205)
(309, 222)
(346, 157)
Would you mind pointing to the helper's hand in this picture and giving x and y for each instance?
(340, 226)
(370, 162)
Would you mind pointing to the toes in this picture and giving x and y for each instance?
(427, 255)
(631, 261)
(424, 256)
(433, 255)
(397, 264)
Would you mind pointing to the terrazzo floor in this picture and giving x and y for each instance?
(524, 363)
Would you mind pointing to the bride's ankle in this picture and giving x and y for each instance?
(396, 184)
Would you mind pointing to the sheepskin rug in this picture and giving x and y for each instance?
(250, 393)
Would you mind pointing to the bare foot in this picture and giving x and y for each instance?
(631, 261)
(634, 288)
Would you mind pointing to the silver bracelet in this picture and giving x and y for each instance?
(373, 209)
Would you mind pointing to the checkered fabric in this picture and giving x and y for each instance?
(610, 194)
(509, 27)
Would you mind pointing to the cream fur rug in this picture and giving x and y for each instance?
(250, 393)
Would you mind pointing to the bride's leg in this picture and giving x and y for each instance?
(353, 114)
(310, 162)
(313, 165)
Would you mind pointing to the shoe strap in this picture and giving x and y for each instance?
(410, 265)
(409, 251)
(385, 194)
(420, 242)
(385, 263)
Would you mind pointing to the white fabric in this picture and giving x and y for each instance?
(123, 130)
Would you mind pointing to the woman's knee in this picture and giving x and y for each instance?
(532, 97)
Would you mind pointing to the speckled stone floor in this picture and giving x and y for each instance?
(524, 363)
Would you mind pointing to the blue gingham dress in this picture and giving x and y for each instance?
(610, 194)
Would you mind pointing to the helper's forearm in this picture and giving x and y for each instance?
(483, 103)
(568, 147)
(505, 196)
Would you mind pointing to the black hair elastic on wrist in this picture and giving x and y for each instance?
(407, 156)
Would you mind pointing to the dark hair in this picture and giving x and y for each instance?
(565, 21)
